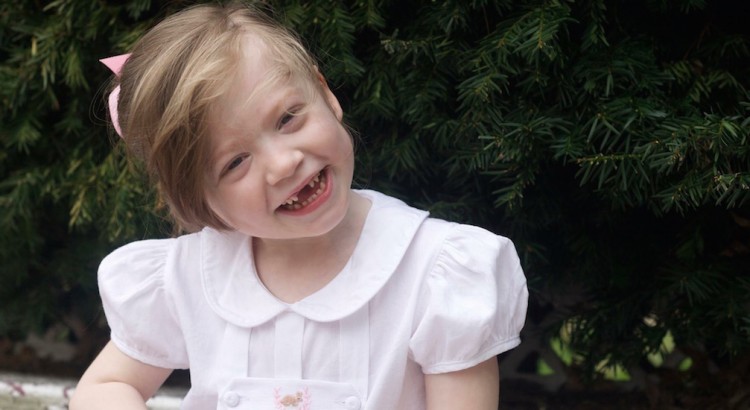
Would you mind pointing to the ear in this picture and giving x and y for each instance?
(331, 99)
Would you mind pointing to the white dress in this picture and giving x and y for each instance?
(418, 296)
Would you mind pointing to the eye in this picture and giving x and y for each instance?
(288, 117)
(285, 119)
(234, 163)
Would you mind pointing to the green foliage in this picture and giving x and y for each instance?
(66, 195)
(609, 139)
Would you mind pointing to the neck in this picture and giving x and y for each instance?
(292, 269)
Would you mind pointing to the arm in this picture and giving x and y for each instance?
(475, 388)
(116, 381)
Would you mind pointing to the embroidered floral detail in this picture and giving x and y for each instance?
(306, 399)
(301, 400)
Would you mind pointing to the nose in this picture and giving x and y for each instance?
(281, 162)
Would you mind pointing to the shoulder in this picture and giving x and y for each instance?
(136, 281)
(473, 245)
(149, 252)
(469, 257)
(458, 244)
(148, 260)
(394, 227)
(474, 289)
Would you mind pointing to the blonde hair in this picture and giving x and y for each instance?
(172, 80)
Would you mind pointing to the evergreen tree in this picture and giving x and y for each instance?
(609, 139)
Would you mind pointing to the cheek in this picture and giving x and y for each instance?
(215, 205)
(222, 200)
(342, 139)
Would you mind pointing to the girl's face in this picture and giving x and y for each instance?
(281, 163)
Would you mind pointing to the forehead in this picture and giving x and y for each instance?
(254, 69)
(259, 76)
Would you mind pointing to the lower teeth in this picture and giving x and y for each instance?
(296, 205)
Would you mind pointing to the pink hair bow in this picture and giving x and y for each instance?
(115, 64)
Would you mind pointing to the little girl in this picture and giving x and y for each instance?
(293, 291)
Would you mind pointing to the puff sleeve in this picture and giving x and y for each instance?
(137, 304)
(472, 304)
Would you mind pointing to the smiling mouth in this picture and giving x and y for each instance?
(308, 194)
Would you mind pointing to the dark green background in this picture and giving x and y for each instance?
(608, 139)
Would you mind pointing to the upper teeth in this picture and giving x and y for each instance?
(314, 181)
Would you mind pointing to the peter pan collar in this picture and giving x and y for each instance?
(235, 293)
